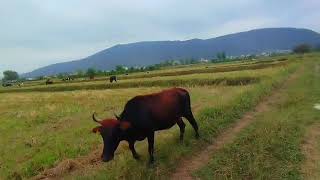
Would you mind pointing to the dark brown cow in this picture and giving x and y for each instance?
(113, 78)
(48, 81)
(142, 116)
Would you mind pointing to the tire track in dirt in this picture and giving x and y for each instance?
(188, 166)
(309, 147)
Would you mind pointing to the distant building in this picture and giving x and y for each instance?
(176, 62)
(30, 79)
(265, 54)
(202, 60)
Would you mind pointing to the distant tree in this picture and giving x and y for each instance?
(193, 61)
(99, 72)
(60, 75)
(221, 56)
(317, 47)
(157, 66)
(120, 69)
(183, 61)
(105, 73)
(166, 63)
(10, 75)
(213, 60)
(80, 73)
(131, 69)
(302, 48)
(91, 73)
(112, 72)
(151, 68)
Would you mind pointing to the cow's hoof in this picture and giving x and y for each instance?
(181, 137)
(151, 164)
(151, 160)
(136, 156)
(197, 136)
(106, 159)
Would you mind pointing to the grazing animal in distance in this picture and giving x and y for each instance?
(7, 84)
(113, 78)
(142, 116)
(68, 78)
(48, 81)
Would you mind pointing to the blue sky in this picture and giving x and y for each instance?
(35, 33)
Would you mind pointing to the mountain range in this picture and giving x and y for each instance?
(153, 52)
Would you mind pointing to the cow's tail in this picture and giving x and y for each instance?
(188, 102)
(94, 118)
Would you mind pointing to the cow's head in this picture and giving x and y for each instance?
(112, 131)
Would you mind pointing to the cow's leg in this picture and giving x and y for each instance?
(103, 151)
(133, 150)
(151, 147)
(193, 122)
(182, 126)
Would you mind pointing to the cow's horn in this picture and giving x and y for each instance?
(116, 116)
(94, 118)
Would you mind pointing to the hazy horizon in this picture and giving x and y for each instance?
(44, 33)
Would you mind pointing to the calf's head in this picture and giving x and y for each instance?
(112, 132)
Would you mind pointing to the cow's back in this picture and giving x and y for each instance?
(156, 111)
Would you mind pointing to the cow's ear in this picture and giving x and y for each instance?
(97, 129)
(124, 125)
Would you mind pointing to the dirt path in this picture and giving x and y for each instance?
(310, 168)
(188, 166)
